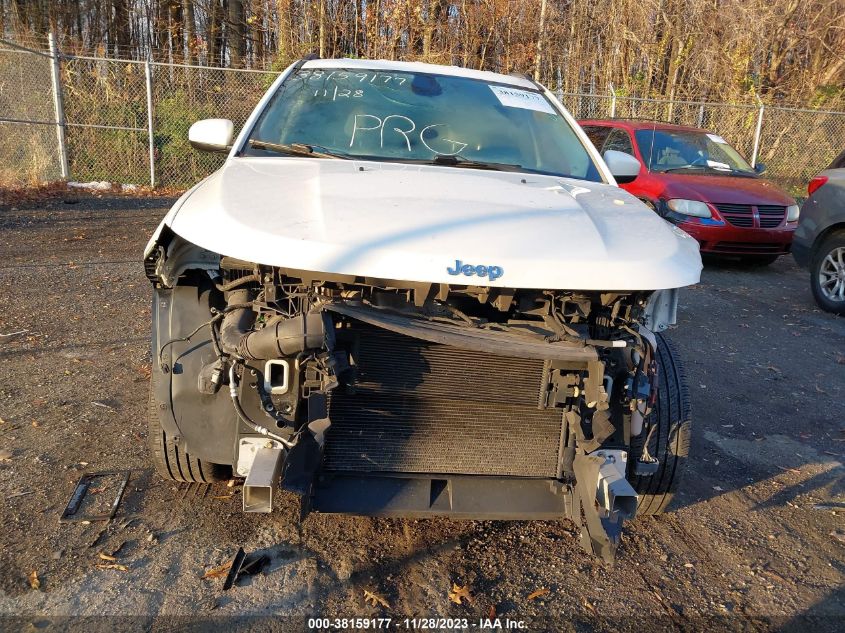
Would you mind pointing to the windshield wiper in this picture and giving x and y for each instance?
(453, 160)
(298, 149)
(682, 167)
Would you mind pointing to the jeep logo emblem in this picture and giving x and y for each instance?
(491, 272)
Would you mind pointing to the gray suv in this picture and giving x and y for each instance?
(819, 242)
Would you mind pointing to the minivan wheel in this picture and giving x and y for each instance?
(670, 440)
(170, 461)
(827, 274)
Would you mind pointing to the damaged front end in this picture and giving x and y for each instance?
(391, 398)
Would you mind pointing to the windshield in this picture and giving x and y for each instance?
(670, 150)
(418, 118)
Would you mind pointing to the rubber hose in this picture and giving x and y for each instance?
(237, 322)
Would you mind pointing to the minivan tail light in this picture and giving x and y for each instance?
(815, 183)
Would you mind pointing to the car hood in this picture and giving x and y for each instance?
(416, 223)
(724, 189)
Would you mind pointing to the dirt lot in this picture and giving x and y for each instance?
(756, 542)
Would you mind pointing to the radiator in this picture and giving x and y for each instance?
(420, 407)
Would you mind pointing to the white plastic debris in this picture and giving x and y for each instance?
(95, 185)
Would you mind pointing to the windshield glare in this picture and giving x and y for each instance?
(418, 117)
(665, 150)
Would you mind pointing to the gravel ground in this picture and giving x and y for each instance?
(755, 542)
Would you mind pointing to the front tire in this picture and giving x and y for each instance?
(670, 441)
(173, 463)
(827, 274)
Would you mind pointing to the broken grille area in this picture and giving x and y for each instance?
(420, 407)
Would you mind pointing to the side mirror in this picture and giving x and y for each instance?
(622, 165)
(212, 135)
(760, 168)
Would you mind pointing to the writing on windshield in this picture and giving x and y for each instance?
(420, 117)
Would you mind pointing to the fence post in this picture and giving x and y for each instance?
(701, 115)
(148, 76)
(757, 132)
(58, 104)
(612, 100)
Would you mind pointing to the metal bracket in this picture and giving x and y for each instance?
(605, 498)
(263, 478)
(248, 448)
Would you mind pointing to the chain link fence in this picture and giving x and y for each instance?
(29, 151)
(184, 94)
(127, 122)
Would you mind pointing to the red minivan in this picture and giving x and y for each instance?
(696, 180)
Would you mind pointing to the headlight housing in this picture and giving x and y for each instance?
(692, 208)
(792, 213)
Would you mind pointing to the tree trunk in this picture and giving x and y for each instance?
(212, 35)
(285, 51)
(321, 29)
(189, 26)
(538, 60)
(235, 35)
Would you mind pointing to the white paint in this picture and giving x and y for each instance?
(621, 163)
(457, 146)
(526, 99)
(412, 222)
(356, 127)
(212, 133)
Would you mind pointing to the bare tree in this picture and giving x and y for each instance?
(784, 50)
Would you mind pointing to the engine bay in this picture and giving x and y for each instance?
(341, 381)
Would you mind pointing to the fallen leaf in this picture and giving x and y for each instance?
(790, 470)
(34, 582)
(113, 566)
(589, 606)
(539, 593)
(491, 612)
(107, 557)
(217, 572)
(458, 594)
(231, 483)
(374, 599)
(5, 455)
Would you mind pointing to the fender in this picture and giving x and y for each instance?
(204, 423)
